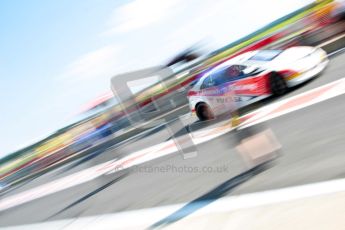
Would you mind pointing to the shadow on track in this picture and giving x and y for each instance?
(89, 195)
(211, 196)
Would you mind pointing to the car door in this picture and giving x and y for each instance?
(208, 92)
(224, 81)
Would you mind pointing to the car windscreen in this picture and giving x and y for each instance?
(265, 55)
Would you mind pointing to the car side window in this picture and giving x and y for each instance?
(221, 77)
(231, 73)
(208, 82)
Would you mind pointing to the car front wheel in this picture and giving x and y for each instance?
(278, 84)
(204, 112)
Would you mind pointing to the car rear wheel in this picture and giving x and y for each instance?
(278, 84)
(203, 111)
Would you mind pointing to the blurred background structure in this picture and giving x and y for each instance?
(103, 119)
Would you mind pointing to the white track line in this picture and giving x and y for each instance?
(338, 88)
(274, 196)
(331, 41)
(335, 52)
(147, 217)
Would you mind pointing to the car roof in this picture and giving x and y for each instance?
(238, 60)
(242, 59)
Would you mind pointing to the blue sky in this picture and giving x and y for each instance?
(55, 56)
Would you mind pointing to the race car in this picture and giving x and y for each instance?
(253, 76)
(338, 12)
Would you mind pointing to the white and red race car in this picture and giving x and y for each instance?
(253, 76)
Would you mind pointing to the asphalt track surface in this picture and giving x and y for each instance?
(313, 151)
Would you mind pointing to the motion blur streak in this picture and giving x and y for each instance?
(260, 123)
